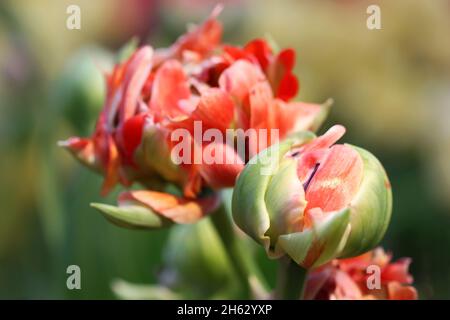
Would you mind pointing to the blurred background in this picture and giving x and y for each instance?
(391, 89)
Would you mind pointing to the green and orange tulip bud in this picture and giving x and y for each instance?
(313, 200)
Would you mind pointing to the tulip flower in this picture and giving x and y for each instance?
(153, 94)
(313, 200)
(347, 279)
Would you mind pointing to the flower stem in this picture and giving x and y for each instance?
(291, 280)
(242, 261)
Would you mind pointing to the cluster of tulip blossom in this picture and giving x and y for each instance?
(320, 201)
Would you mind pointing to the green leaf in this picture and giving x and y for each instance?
(129, 291)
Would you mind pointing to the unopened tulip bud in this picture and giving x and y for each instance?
(320, 201)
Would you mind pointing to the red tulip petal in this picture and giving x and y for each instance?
(201, 39)
(262, 112)
(111, 166)
(194, 182)
(261, 50)
(346, 288)
(326, 140)
(262, 117)
(396, 291)
(221, 173)
(137, 72)
(337, 179)
(397, 271)
(131, 136)
(296, 116)
(307, 164)
(283, 81)
(287, 59)
(232, 53)
(82, 149)
(345, 273)
(356, 263)
(178, 209)
(215, 109)
(309, 155)
(287, 87)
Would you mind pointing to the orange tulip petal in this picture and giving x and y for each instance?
(396, 291)
(287, 87)
(200, 40)
(262, 112)
(82, 149)
(223, 172)
(397, 271)
(239, 78)
(177, 209)
(283, 81)
(215, 109)
(131, 136)
(356, 263)
(326, 140)
(111, 166)
(136, 75)
(346, 288)
(296, 116)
